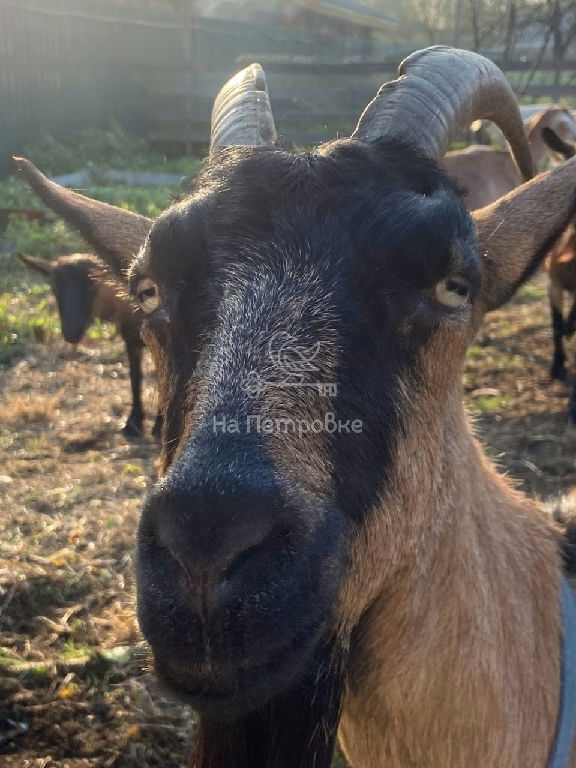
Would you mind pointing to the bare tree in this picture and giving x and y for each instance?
(488, 19)
(563, 31)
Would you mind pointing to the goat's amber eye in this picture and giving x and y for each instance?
(452, 292)
(147, 295)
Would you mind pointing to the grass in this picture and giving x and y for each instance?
(25, 317)
(109, 148)
(28, 409)
(27, 313)
(489, 403)
(72, 650)
(530, 292)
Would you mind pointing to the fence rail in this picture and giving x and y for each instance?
(306, 96)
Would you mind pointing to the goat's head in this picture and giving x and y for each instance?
(557, 119)
(72, 279)
(309, 316)
(355, 266)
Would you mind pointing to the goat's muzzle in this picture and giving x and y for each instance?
(236, 579)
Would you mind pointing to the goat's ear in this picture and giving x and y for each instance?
(43, 266)
(516, 232)
(115, 234)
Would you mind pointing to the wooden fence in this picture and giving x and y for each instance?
(312, 101)
(66, 65)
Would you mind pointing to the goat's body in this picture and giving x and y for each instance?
(484, 174)
(450, 666)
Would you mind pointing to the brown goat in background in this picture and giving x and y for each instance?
(82, 295)
(74, 277)
(485, 173)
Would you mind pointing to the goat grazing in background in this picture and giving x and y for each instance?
(485, 174)
(335, 553)
(82, 296)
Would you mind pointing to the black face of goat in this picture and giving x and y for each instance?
(75, 292)
(266, 293)
(73, 285)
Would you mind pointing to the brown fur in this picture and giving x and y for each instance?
(454, 648)
(485, 174)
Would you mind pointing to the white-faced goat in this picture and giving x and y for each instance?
(485, 174)
(80, 286)
(328, 550)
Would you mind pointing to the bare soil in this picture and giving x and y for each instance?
(75, 690)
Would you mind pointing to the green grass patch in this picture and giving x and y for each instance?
(25, 318)
(490, 403)
(132, 470)
(530, 292)
(72, 650)
(109, 148)
(476, 352)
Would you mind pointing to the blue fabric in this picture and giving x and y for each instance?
(566, 726)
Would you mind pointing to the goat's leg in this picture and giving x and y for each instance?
(556, 295)
(157, 428)
(133, 427)
(570, 324)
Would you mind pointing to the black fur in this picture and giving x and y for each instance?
(558, 368)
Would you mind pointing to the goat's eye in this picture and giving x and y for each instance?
(452, 292)
(147, 295)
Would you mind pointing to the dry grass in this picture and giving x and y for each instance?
(74, 686)
(30, 409)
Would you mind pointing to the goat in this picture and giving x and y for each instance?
(485, 174)
(328, 549)
(82, 296)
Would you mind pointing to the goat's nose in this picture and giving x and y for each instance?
(216, 539)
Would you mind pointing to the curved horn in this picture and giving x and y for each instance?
(116, 234)
(440, 91)
(242, 115)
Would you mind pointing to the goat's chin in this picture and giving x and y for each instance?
(227, 692)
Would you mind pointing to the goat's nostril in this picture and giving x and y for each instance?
(259, 552)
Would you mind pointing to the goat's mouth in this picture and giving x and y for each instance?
(228, 691)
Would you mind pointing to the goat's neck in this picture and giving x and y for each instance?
(456, 662)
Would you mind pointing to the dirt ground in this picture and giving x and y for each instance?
(75, 690)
